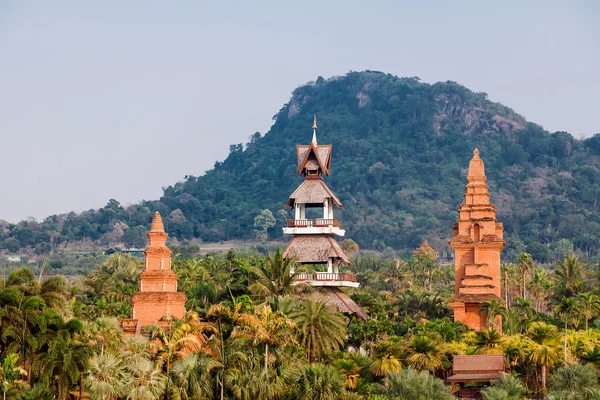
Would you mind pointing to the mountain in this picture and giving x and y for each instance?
(400, 153)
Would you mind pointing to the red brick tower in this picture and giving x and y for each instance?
(158, 296)
(477, 243)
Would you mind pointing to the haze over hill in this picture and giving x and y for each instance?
(400, 153)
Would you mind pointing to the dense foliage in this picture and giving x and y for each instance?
(400, 153)
(249, 333)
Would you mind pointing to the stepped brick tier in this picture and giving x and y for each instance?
(157, 299)
(477, 242)
(313, 240)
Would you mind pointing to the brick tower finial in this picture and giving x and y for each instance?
(157, 223)
(157, 234)
(476, 169)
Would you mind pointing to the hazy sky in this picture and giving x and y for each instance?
(116, 99)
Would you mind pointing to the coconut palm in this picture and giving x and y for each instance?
(545, 353)
(412, 384)
(320, 328)
(318, 382)
(276, 277)
(569, 275)
(106, 377)
(424, 353)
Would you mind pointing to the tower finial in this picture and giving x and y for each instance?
(476, 168)
(157, 224)
(314, 139)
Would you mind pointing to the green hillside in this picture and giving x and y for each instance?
(400, 153)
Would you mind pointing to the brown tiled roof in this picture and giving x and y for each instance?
(312, 191)
(314, 249)
(474, 298)
(322, 154)
(342, 302)
(477, 368)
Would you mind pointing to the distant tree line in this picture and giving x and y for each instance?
(400, 153)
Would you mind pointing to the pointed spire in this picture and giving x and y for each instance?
(476, 168)
(157, 223)
(314, 139)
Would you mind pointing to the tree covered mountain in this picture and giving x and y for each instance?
(401, 149)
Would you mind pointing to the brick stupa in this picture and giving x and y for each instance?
(477, 242)
(157, 299)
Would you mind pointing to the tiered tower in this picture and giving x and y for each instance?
(477, 243)
(157, 298)
(313, 239)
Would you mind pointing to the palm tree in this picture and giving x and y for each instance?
(276, 277)
(316, 381)
(592, 356)
(569, 275)
(526, 264)
(64, 363)
(104, 331)
(349, 370)
(567, 311)
(275, 329)
(489, 342)
(193, 377)
(545, 354)
(412, 384)
(493, 308)
(173, 343)
(250, 381)
(385, 364)
(146, 381)
(525, 314)
(320, 328)
(589, 306)
(424, 353)
(540, 286)
(106, 377)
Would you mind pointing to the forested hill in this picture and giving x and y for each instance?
(400, 153)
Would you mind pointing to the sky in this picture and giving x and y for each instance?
(114, 99)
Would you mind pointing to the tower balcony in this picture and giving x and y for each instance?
(314, 226)
(321, 279)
